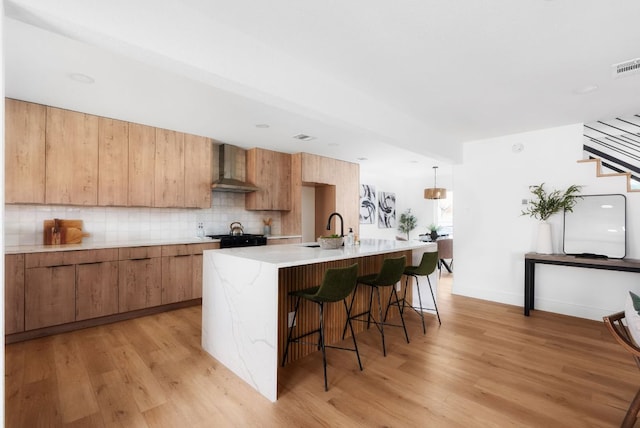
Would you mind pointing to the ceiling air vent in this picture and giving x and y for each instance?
(626, 68)
(303, 137)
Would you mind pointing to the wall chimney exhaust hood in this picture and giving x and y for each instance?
(231, 171)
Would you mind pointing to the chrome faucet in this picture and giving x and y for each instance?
(341, 223)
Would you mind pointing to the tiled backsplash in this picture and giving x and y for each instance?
(23, 224)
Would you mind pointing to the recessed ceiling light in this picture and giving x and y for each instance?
(362, 159)
(585, 89)
(82, 78)
(262, 125)
(303, 137)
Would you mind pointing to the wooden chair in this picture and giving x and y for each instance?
(445, 251)
(622, 336)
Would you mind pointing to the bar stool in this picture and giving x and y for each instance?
(390, 273)
(427, 266)
(337, 284)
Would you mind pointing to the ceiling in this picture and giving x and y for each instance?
(403, 81)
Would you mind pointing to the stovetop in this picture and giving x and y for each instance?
(245, 235)
(246, 240)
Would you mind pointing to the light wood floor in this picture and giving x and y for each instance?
(486, 366)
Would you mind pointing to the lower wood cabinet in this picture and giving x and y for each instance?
(96, 289)
(66, 286)
(139, 278)
(13, 293)
(49, 296)
(177, 274)
(60, 287)
(182, 271)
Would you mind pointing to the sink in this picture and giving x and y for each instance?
(312, 245)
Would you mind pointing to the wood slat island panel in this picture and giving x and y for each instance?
(299, 277)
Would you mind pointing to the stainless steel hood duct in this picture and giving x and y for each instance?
(231, 171)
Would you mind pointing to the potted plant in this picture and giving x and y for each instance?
(544, 206)
(407, 222)
(331, 242)
(433, 231)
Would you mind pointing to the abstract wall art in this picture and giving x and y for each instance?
(386, 210)
(367, 204)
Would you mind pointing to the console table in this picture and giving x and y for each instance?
(531, 259)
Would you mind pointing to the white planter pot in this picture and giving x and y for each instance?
(544, 246)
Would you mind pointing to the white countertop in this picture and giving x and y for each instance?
(299, 254)
(88, 245)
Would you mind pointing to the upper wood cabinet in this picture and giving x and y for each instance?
(197, 171)
(169, 169)
(271, 172)
(57, 156)
(71, 158)
(142, 158)
(25, 125)
(113, 162)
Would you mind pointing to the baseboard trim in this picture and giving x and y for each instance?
(94, 322)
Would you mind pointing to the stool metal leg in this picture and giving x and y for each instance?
(400, 310)
(384, 349)
(434, 301)
(293, 322)
(406, 284)
(353, 335)
(321, 340)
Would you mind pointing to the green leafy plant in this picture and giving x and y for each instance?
(331, 236)
(407, 222)
(433, 231)
(547, 204)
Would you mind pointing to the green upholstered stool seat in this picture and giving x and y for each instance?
(337, 284)
(427, 266)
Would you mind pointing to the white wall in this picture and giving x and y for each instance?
(409, 189)
(492, 237)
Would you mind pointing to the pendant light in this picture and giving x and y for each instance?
(435, 192)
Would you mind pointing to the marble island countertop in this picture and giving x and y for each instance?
(243, 302)
(89, 245)
(306, 253)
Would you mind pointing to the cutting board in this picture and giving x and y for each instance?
(68, 232)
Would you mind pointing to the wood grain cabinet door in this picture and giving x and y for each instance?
(197, 171)
(196, 265)
(169, 169)
(113, 162)
(142, 155)
(96, 289)
(13, 293)
(177, 273)
(71, 158)
(271, 172)
(49, 296)
(139, 283)
(24, 152)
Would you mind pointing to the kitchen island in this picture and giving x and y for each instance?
(245, 300)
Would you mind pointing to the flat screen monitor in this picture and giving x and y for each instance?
(596, 227)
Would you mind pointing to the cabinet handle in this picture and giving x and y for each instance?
(142, 258)
(50, 266)
(182, 255)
